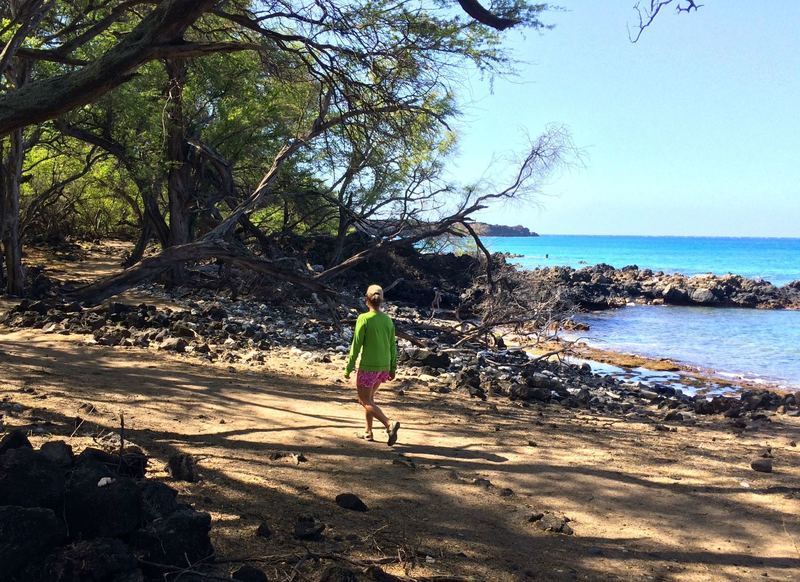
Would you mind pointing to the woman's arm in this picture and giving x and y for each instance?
(355, 347)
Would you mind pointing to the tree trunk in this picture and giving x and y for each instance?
(151, 267)
(2, 213)
(19, 75)
(141, 245)
(341, 234)
(12, 244)
(180, 223)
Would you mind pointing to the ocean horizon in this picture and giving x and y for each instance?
(736, 343)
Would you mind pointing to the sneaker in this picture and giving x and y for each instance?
(392, 430)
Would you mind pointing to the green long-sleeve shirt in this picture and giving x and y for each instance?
(374, 339)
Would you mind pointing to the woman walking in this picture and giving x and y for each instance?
(374, 340)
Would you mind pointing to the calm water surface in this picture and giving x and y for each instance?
(751, 343)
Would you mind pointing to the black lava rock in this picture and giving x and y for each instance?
(263, 530)
(99, 503)
(16, 439)
(158, 500)
(27, 534)
(762, 465)
(176, 540)
(59, 452)
(98, 560)
(29, 479)
(350, 501)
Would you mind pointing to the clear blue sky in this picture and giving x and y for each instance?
(695, 130)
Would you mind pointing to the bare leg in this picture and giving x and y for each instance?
(371, 409)
(369, 420)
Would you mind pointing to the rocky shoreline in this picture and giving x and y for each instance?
(602, 287)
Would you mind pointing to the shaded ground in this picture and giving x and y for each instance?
(645, 504)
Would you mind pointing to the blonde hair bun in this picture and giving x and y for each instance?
(375, 294)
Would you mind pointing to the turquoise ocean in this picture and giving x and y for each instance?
(736, 343)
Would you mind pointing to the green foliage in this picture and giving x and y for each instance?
(390, 69)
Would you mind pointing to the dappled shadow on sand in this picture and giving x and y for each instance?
(645, 505)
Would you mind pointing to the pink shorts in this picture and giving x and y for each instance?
(366, 379)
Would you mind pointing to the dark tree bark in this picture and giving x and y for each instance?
(145, 236)
(178, 180)
(12, 243)
(18, 74)
(49, 98)
(484, 16)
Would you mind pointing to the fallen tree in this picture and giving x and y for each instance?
(546, 152)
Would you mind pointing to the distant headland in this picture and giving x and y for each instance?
(485, 229)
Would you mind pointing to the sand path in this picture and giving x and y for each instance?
(645, 505)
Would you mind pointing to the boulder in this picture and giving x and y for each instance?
(180, 538)
(173, 344)
(133, 462)
(59, 452)
(29, 479)
(703, 296)
(538, 380)
(27, 534)
(675, 295)
(421, 357)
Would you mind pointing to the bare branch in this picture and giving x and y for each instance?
(648, 14)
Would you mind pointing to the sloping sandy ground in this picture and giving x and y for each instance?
(645, 504)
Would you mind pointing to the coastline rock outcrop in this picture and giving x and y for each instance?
(484, 229)
(602, 287)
